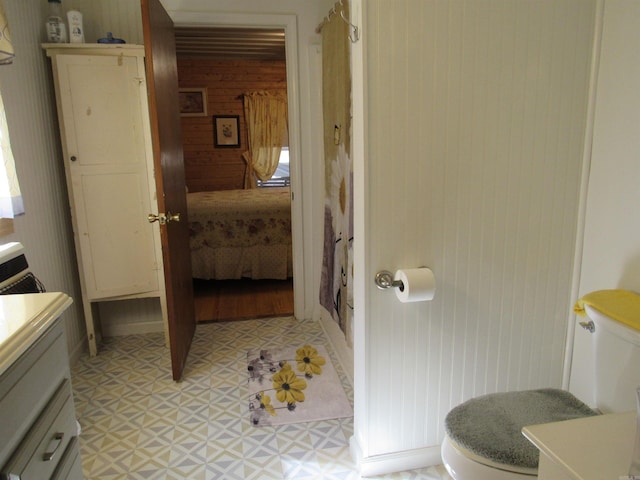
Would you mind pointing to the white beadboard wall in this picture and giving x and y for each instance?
(45, 229)
(476, 113)
(123, 18)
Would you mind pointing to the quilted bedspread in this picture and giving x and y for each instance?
(240, 233)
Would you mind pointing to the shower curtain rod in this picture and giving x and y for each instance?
(356, 33)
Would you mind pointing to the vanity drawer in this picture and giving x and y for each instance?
(70, 466)
(28, 384)
(42, 448)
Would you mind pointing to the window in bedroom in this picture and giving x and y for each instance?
(10, 197)
(281, 176)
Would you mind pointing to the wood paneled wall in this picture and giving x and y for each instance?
(207, 167)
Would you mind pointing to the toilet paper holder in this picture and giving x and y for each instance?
(384, 279)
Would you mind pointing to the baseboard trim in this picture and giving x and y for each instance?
(394, 462)
(77, 351)
(338, 343)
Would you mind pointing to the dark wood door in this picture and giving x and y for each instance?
(162, 86)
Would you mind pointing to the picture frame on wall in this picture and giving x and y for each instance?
(226, 131)
(193, 102)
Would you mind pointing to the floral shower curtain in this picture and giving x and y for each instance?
(336, 287)
(266, 117)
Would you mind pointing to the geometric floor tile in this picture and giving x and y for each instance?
(138, 424)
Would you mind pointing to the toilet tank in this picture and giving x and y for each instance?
(617, 363)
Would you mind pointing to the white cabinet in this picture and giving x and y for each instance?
(589, 448)
(106, 142)
(37, 416)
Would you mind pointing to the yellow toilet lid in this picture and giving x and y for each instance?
(620, 305)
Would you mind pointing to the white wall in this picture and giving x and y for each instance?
(474, 125)
(45, 229)
(611, 248)
(123, 18)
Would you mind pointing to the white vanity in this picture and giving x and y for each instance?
(37, 416)
(591, 448)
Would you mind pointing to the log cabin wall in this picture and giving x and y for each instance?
(206, 167)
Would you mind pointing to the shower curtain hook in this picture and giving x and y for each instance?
(356, 33)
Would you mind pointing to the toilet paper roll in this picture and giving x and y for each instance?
(419, 285)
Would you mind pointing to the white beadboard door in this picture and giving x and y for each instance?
(102, 100)
(472, 126)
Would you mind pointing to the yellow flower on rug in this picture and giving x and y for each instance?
(293, 384)
(309, 360)
(288, 386)
(265, 404)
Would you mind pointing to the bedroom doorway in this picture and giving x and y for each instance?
(220, 64)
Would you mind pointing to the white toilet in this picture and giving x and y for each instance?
(484, 440)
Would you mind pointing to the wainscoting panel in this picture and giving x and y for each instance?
(476, 119)
(45, 229)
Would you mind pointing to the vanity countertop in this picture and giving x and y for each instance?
(591, 448)
(24, 318)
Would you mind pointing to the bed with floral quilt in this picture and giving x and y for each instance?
(241, 234)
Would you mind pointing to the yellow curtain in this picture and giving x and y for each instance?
(249, 177)
(6, 47)
(266, 117)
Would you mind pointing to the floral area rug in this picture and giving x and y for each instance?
(293, 385)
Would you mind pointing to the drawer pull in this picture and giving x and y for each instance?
(57, 437)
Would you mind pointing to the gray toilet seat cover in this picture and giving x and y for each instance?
(490, 426)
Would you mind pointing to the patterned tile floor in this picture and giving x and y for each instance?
(139, 424)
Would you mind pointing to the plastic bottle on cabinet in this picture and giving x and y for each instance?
(56, 28)
(76, 30)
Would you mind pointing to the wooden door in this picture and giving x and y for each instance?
(162, 85)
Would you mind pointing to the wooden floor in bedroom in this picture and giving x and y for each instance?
(226, 300)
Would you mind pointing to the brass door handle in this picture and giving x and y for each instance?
(162, 218)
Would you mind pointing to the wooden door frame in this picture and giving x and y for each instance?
(289, 24)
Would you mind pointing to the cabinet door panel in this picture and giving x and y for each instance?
(102, 99)
(113, 204)
(105, 124)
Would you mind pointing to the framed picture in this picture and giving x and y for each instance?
(193, 102)
(226, 131)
